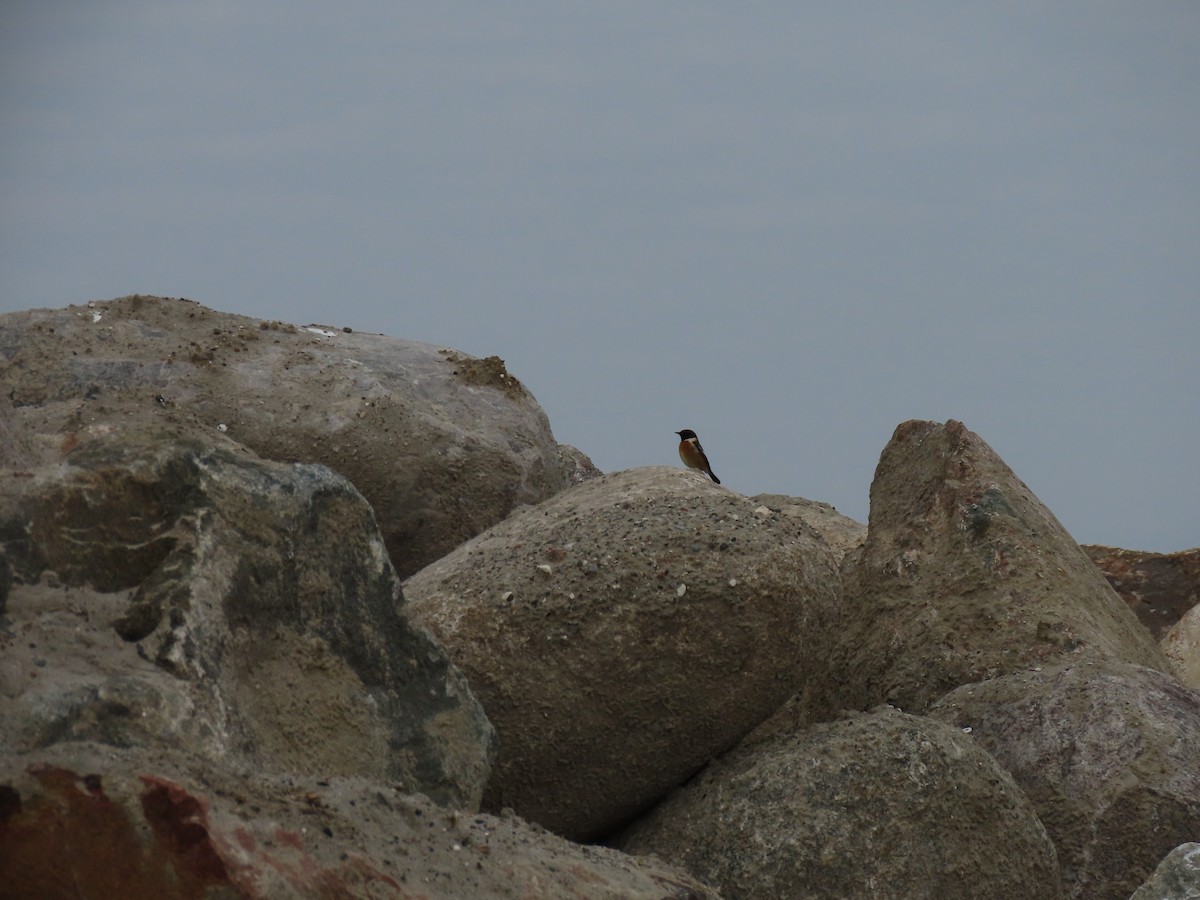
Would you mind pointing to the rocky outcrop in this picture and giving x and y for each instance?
(966, 576)
(624, 632)
(441, 444)
(880, 805)
(1176, 878)
(1159, 587)
(86, 821)
(1106, 752)
(197, 598)
(211, 683)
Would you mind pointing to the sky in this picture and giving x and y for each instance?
(789, 227)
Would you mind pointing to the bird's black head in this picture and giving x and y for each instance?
(686, 435)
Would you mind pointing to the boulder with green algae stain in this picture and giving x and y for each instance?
(197, 597)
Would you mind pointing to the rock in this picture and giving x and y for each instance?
(1107, 753)
(15, 453)
(443, 445)
(624, 632)
(842, 533)
(1176, 878)
(577, 467)
(195, 597)
(1158, 587)
(966, 576)
(882, 805)
(81, 820)
(1181, 646)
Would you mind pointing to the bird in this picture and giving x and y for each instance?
(692, 453)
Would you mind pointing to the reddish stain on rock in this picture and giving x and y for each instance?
(71, 839)
(179, 820)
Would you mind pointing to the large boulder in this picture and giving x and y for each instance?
(443, 445)
(965, 575)
(1159, 587)
(81, 820)
(624, 632)
(172, 594)
(877, 805)
(1107, 752)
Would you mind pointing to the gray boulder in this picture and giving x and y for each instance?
(82, 820)
(965, 575)
(1107, 752)
(195, 597)
(878, 805)
(441, 444)
(622, 633)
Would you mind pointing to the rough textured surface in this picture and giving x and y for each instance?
(841, 533)
(879, 805)
(576, 465)
(625, 631)
(1176, 878)
(189, 596)
(1181, 646)
(85, 821)
(1107, 753)
(443, 445)
(966, 576)
(1158, 587)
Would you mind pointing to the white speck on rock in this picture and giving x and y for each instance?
(222, 428)
(681, 590)
(545, 568)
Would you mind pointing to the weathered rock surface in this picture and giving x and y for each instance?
(79, 820)
(1107, 752)
(1159, 587)
(576, 465)
(841, 533)
(1181, 646)
(441, 444)
(1176, 878)
(195, 597)
(624, 632)
(878, 805)
(965, 576)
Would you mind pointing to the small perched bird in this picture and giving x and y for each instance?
(692, 453)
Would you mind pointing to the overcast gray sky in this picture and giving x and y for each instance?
(787, 226)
